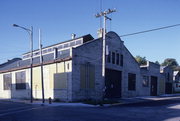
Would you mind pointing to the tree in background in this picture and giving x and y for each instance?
(141, 60)
(170, 62)
(157, 62)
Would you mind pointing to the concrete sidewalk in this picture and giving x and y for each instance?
(39, 103)
(81, 104)
(148, 98)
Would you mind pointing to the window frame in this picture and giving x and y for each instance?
(145, 81)
(20, 78)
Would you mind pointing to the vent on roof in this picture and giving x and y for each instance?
(100, 33)
(73, 36)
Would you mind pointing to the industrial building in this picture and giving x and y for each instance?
(73, 71)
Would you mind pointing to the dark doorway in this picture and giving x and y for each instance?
(153, 86)
(168, 88)
(113, 83)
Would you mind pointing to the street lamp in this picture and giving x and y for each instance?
(30, 32)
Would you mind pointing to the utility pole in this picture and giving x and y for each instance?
(41, 62)
(104, 14)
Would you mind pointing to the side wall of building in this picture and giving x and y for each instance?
(12, 92)
(152, 70)
(90, 86)
(131, 66)
(91, 53)
(56, 78)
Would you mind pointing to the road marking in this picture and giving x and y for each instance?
(15, 109)
(19, 111)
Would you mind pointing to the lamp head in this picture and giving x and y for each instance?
(15, 25)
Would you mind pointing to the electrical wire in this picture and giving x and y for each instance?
(150, 30)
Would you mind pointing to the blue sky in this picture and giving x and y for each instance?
(58, 19)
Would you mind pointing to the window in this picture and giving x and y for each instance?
(7, 78)
(121, 60)
(20, 80)
(64, 53)
(109, 57)
(72, 43)
(131, 81)
(176, 85)
(113, 58)
(117, 58)
(36, 53)
(27, 56)
(49, 50)
(78, 42)
(66, 45)
(60, 47)
(44, 51)
(145, 82)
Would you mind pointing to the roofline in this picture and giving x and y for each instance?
(10, 61)
(61, 43)
(88, 42)
(35, 65)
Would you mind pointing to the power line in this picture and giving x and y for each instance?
(150, 30)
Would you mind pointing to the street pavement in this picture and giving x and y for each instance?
(165, 108)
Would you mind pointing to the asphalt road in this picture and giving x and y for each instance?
(161, 110)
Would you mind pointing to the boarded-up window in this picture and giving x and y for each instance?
(145, 82)
(7, 79)
(60, 81)
(87, 76)
(21, 80)
(131, 81)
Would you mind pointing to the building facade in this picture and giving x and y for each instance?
(73, 71)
